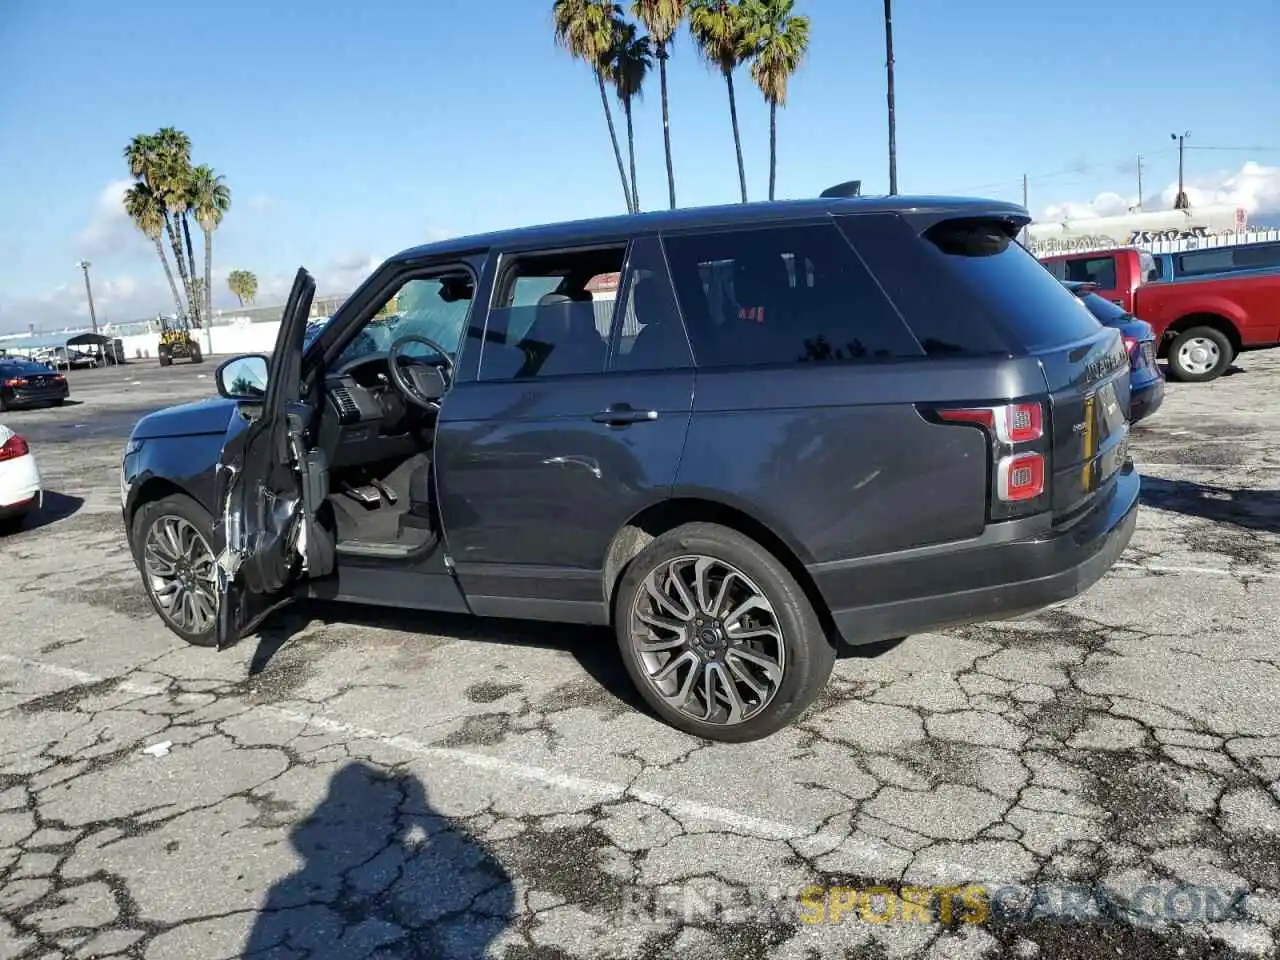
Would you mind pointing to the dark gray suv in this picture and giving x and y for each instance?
(738, 436)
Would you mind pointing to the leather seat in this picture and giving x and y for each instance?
(565, 335)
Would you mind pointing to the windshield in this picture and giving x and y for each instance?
(426, 308)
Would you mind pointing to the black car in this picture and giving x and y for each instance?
(25, 383)
(798, 423)
(1146, 382)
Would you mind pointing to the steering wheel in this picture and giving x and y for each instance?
(409, 377)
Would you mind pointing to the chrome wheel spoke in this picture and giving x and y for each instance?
(660, 597)
(771, 669)
(707, 639)
(179, 568)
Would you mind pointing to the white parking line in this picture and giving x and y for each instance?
(876, 856)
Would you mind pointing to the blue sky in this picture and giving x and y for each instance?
(348, 131)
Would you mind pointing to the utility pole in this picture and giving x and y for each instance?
(88, 289)
(1180, 202)
(1024, 189)
(893, 122)
(1140, 183)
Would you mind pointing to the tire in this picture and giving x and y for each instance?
(166, 360)
(1196, 342)
(807, 654)
(147, 516)
(12, 524)
(59, 401)
(196, 356)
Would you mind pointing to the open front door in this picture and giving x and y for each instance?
(270, 485)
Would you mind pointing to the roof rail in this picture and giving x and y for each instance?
(850, 188)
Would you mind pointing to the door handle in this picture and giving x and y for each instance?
(622, 414)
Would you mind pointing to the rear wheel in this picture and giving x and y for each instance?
(196, 356)
(165, 358)
(717, 635)
(173, 547)
(1200, 354)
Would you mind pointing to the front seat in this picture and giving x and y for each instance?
(564, 337)
(661, 343)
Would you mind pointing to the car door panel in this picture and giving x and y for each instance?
(269, 485)
(537, 476)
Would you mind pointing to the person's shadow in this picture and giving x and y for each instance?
(382, 871)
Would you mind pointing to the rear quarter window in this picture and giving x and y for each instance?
(1011, 283)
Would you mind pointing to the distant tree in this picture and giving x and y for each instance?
(778, 40)
(210, 200)
(626, 65)
(149, 215)
(584, 28)
(244, 284)
(662, 18)
(720, 31)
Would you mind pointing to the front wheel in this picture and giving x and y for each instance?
(718, 636)
(1199, 355)
(173, 548)
(196, 356)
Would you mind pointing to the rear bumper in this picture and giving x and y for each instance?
(1011, 570)
(28, 398)
(20, 486)
(1144, 400)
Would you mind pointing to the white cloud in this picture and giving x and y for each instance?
(116, 298)
(109, 227)
(1254, 186)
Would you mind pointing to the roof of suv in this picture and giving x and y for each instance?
(926, 209)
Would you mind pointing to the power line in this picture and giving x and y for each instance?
(1236, 149)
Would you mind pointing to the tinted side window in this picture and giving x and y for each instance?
(944, 324)
(648, 333)
(1058, 268)
(781, 295)
(1011, 283)
(544, 319)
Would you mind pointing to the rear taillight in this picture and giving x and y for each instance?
(1019, 454)
(13, 448)
(1130, 345)
(58, 378)
(15, 382)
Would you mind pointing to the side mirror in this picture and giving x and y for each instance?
(243, 378)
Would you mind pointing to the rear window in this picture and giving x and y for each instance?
(1037, 309)
(1106, 312)
(20, 367)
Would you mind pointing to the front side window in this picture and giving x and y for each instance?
(551, 315)
(782, 295)
(436, 308)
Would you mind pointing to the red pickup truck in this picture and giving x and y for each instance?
(1202, 321)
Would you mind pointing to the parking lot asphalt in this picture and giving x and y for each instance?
(354, 782)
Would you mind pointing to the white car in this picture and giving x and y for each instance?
(20, 488)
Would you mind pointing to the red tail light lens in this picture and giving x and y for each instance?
(58, 377)
(1020, 477)
(1012, 423)
(13, 448)
(1130, 345)
(15, 382)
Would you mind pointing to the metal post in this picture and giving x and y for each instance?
(1024, 190)
(893, 121)
(1139, 183)
(1180, 202)
(88, 289)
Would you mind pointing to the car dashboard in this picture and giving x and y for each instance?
(366, 419)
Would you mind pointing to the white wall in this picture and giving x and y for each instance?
(214, 341)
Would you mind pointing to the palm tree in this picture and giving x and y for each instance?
(626, 65)
(662, 18)
(778, 40)
(244, 284)
(585, 29)
(148, 215)
(162, 161)
(210, 200)
(720, 31)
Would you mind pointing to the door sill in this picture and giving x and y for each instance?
(389, 549)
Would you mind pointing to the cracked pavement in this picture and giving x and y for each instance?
(355, 782)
